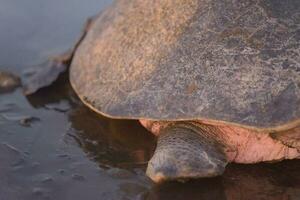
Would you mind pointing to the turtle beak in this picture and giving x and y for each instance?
(184, 153)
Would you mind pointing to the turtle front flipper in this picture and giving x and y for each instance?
(47, 72)
(186, 151)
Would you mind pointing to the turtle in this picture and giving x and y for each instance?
(216, 81)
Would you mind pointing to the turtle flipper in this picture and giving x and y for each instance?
(47, 72)
(185, 151)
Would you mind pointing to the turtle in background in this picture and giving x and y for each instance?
(217, 81)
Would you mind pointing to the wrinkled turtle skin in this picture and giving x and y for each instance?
(217, 81)
(231, 61)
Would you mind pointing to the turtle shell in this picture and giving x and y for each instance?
(234, 61)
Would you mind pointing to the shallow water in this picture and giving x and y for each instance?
(53, 147)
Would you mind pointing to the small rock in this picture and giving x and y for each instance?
(8, 82)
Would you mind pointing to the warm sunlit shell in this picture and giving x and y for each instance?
(234, 61)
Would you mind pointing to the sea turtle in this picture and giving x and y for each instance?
(217, 81)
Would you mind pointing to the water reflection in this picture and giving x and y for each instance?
(279, 181)
(71, 152)
(120, 143)
(207, 189)
(264, 181)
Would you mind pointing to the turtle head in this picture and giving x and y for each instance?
(185, 151)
